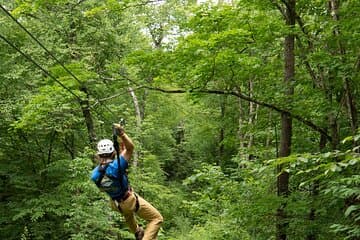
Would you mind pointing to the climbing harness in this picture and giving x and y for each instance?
(127, 195)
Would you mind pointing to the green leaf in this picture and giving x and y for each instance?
(351, 209)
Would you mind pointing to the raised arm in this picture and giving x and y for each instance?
(127, 146)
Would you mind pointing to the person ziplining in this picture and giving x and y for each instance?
(110, 176)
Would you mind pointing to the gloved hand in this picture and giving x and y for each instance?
(118, 129)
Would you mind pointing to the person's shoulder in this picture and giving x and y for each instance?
(95, 169)
(95, 173)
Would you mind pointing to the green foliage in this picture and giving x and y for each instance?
(239, 204)
(335, 178)
(217, 228)
(50, 109)
(217, 146)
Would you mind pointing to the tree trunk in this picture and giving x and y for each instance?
(247, 139)
(241, 134)
(314, 193)
(334, 129)
(222, 129)
(286, 121)
(69, 145)
(348, 94)
(253, 108)
(85, 107)
(138, 122)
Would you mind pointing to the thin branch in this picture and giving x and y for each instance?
(140, 4)
(281, 10)
(247, 98)
(77, 4)
(114, 96)
(233, 93)
(357, 64)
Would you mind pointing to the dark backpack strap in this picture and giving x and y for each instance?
(102, 171)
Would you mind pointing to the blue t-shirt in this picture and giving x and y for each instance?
(111, 182)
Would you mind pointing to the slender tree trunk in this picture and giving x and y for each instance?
(283, 177)
(241, 134)
(350, 104)
(137, 108)
(69, 145)
(222, 129)
(247, 139)
(253, 108)
(252, 120)
(286, 121)
(51, 144)
(269, 135)
(334, 129)
(85, 107)
(314, 193)
(350, 101)
(138, 122)
(312, 215)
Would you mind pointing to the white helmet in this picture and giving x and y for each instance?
(105, 146)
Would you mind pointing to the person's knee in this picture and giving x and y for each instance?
(159, 220)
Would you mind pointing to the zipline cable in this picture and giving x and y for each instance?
(41, 45)
(40, 67)
(46, 72)
(52, 55)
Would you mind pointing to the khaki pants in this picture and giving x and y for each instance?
(146, 211)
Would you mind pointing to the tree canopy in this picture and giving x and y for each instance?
(244, 116)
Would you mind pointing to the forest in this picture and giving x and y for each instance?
(244, 115)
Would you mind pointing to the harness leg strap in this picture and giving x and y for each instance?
(137, 205)
(117, 204)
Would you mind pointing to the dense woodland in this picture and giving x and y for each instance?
(244, 113)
